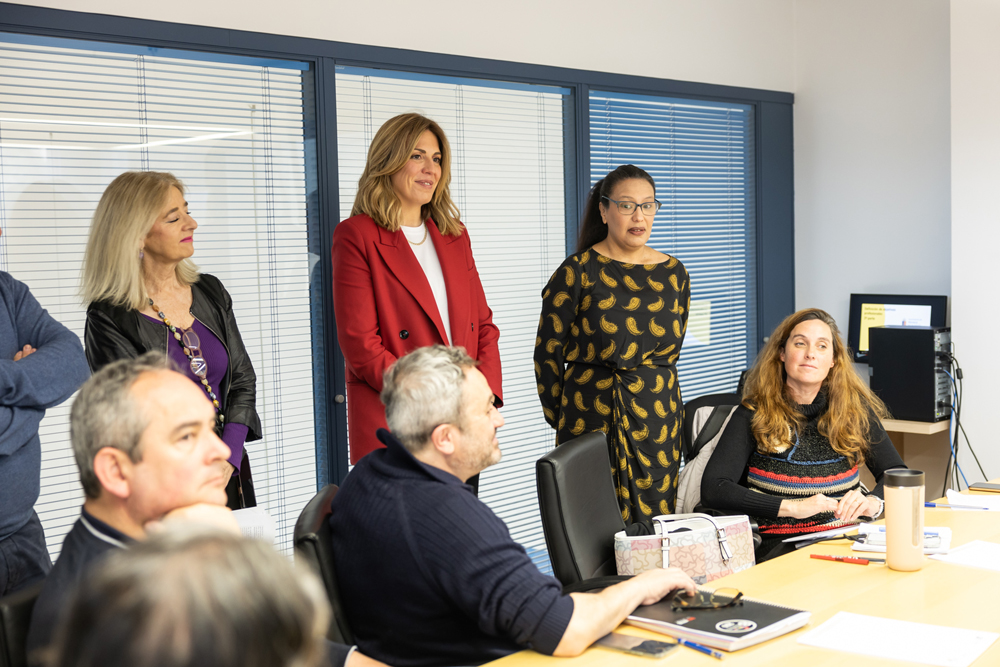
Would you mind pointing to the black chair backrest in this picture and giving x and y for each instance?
(15, 617)
(580, 513)
(314, 545)
(720, 405)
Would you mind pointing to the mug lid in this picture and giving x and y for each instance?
(904, 477)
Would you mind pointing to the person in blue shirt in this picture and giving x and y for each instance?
(41, 365)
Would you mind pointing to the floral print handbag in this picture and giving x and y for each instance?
(705, 547)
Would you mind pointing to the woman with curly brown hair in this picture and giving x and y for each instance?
(790, 455)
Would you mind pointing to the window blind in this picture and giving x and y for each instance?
(507, 180)
(701, 156)
(75, 115)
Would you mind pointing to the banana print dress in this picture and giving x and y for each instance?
(608, 341)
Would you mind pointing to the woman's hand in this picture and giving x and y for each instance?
(855, 504)
(807, 507)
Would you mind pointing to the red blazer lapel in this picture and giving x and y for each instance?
(454, 266)
(396, 253)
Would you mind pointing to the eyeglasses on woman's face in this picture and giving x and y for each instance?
(628, 207)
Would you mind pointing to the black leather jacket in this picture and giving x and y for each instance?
(114, 332)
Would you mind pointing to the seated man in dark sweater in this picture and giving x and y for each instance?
(144, 440)
(429, 574)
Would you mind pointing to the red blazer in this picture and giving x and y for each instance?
(385, 308)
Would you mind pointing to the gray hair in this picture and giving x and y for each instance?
(105, 414)
(423, 390)
(189, 597)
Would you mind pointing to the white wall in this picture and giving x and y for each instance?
(731, 42)
(872, 174)
(975, 145)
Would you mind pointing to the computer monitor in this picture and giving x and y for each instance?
(875, 310)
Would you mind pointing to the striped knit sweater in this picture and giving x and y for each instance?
(809, 467)
(740, 480)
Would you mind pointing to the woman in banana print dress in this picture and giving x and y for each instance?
(613, 320)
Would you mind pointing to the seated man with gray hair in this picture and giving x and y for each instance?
(188, 598)
(429, 574)
(145, 443)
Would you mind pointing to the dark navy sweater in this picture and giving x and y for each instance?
(429, 574)
(27, 388)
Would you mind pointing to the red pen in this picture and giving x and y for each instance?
(847, 559)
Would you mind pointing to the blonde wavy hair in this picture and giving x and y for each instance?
(112, 269)
(851, 406)
(391, 148)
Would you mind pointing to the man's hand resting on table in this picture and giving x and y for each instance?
(597, 614)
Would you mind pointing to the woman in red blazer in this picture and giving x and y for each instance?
(393, 291)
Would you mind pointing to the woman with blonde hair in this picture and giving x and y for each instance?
(403, 272)
(145, 293)
(789, 457)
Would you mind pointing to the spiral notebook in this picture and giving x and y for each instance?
(727, 629)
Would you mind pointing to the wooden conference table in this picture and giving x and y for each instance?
(939, 594)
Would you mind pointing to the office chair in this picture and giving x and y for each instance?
(703, 420)
(580, 513)
(15, 617)
(313, 545)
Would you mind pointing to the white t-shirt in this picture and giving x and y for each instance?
(429, 262)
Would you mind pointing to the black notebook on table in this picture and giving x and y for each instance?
(727, 629)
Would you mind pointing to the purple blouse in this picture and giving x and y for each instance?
(214, 352)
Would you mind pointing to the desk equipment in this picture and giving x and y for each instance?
(700, 648)
(904, 519)
(985, 487)
(847, 559)
(871, 539)
(879, 310)
(729, 628)
(649, 648)
(907, 373)
(956, 507)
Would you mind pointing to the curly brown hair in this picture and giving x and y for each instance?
(851, 405)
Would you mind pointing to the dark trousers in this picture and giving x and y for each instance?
(24, 558)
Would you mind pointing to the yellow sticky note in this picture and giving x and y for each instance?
(872, 315)
(699, 331)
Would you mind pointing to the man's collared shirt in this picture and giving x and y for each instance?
(86, 543)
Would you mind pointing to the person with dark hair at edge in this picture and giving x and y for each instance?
(41, 365)
(613, 321)
(789, 457)
(403, 271)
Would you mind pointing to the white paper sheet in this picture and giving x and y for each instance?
(941, 545)
(900, 640)
(256, 523)
(977, 553)
(956, 498)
